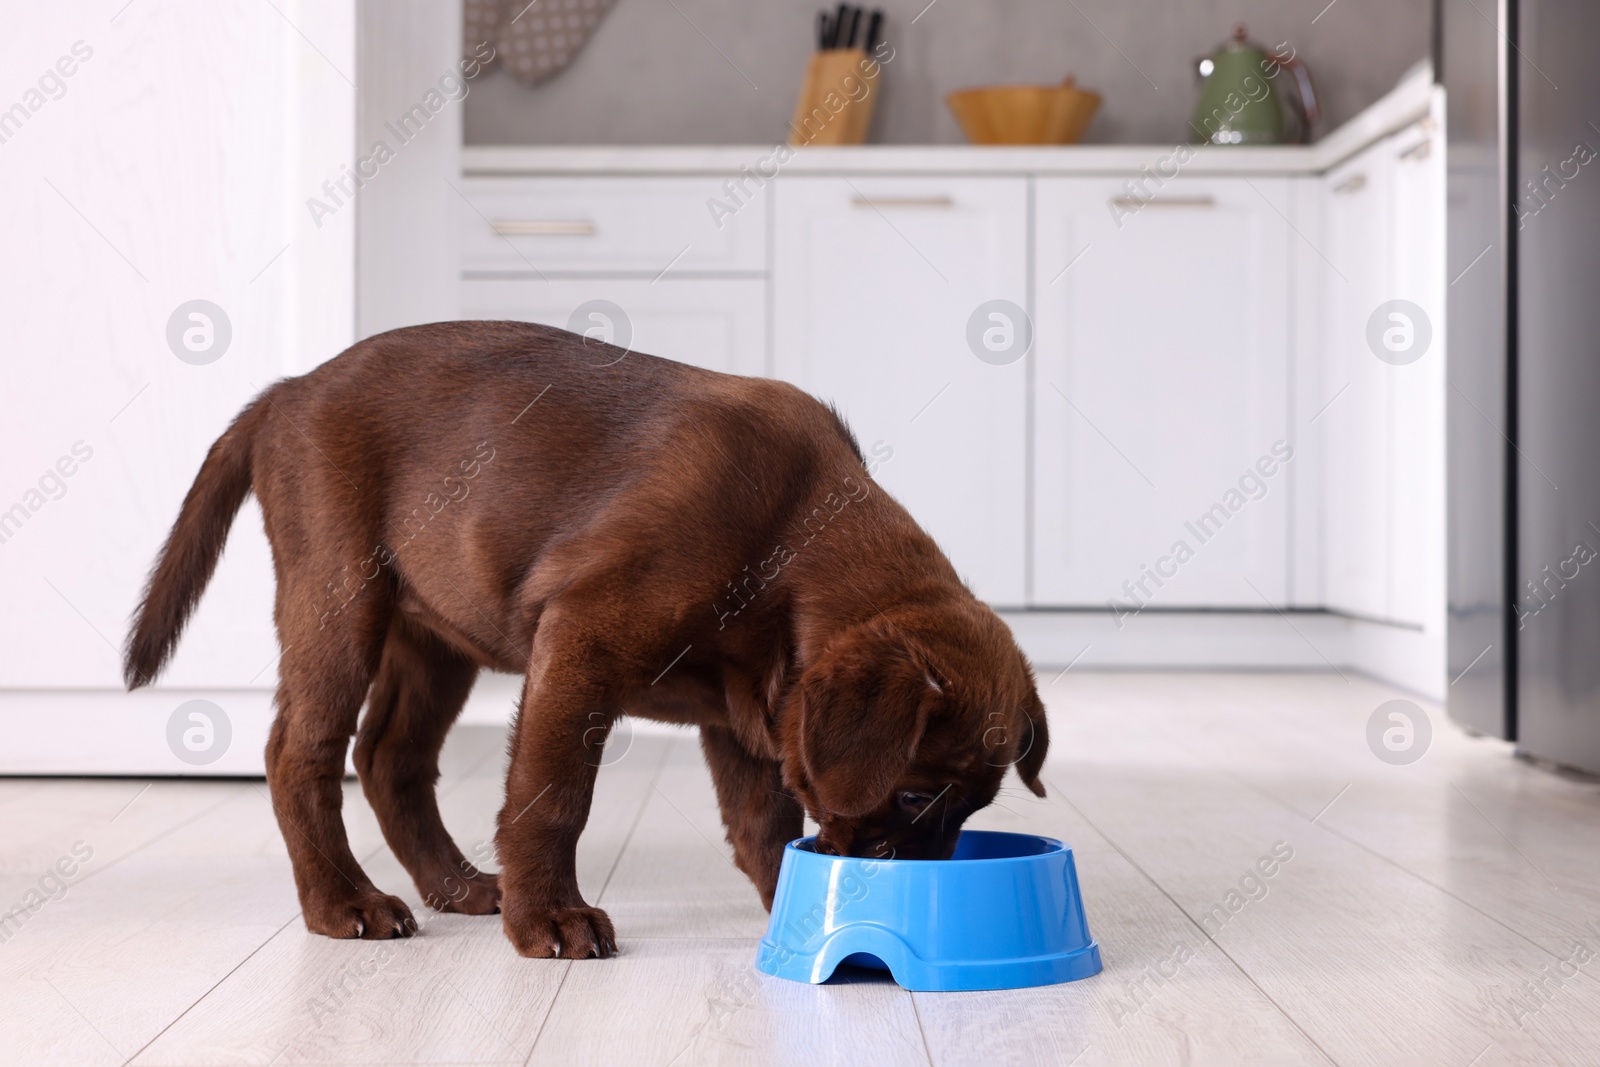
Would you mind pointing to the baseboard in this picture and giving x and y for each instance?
(1402, 655)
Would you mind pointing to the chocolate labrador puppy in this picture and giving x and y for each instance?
(630, 534)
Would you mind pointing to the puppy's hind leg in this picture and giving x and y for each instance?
(421, 685)
(324, 674)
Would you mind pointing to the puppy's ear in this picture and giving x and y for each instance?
(863, 708)
(1035, 746)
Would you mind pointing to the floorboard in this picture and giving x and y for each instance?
(1419, 914)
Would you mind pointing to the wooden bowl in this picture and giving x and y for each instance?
(1024, 114)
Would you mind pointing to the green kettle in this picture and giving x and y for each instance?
(1244, 98)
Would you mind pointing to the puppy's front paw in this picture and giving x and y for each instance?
(561, 933)
(371, 916)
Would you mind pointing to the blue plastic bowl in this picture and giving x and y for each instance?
(1003, 913)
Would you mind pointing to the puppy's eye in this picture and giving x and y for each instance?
(915, 802)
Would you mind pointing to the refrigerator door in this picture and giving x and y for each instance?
(1557, 218)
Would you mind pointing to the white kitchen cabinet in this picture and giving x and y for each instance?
(1162, 349)
(176, 168)
(875, 282)
(1382, 431)
(1355, 422)
(1418, 398)
(719, 324)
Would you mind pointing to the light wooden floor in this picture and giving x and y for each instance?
(1420, 909)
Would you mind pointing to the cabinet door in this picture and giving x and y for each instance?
(1417, 582)
(1161, 402)
(876, 281)
(1355, 421)
(717, 324)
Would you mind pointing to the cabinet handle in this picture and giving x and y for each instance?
(1418, 151)
(543, 227)
(1164, 201)
(903, 201)
(1353, 184)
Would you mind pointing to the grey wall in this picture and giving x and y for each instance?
(652, 73)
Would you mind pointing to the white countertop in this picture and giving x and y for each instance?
(1407, 103)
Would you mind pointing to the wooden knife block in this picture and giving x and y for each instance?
(836, 98)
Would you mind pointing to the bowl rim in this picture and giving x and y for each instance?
(1011, 87)
(1057, 846)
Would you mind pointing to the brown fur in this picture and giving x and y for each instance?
(631, 535)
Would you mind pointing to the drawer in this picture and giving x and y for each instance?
(716, 323)
(644, 226)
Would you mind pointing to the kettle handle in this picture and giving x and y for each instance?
(1304, 104)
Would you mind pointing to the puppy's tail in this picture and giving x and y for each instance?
(190, 555)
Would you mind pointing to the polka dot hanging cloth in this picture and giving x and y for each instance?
(534, 41)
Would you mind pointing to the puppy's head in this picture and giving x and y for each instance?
(899, 731)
